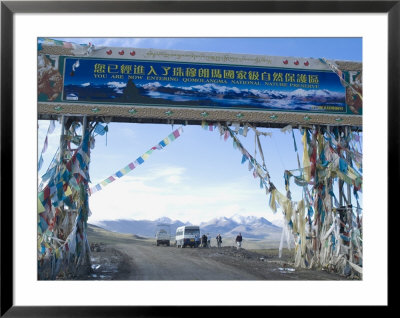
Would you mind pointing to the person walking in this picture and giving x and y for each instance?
(219, 240)
(208, 240)
(204, 241)
(239, 241)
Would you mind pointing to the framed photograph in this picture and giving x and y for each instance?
(24, 22)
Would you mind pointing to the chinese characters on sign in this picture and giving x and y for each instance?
(204, 75)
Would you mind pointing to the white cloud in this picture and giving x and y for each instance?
(164, 43)
(161, 173)
(174, 179)
(126, 132)
(164, 194)
(118, 42)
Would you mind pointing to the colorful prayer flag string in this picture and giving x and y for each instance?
(128, 168)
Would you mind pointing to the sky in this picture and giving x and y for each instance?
(199, 176)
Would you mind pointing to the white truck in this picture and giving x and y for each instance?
(163, 237)
(187, 236)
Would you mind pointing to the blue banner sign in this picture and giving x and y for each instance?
(200, 85)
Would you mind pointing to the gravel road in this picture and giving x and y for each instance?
(143, 260)
(172, 263)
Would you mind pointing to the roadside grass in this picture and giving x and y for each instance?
(99, 235)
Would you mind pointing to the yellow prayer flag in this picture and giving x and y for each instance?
(68, 192)
(306, 158)
(145, 156)
(40, 207)
(272, 202)
(39, 244)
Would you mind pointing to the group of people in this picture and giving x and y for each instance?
(205, 241)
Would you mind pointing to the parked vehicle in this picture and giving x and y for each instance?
(187, 236)
(163, 235)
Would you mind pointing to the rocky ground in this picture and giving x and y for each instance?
(142, 260)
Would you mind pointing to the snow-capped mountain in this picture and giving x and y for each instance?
(216, 90)
(146, 228)
(204, 94)
(249, 226)
(278, 222)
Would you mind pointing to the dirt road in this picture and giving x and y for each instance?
(172, 263)
(143, 260)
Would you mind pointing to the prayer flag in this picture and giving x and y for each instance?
(40, 207)
(125, 171)
(73, 183)
(49, 174)
(52, 126)
(43, 224)
(226, 135)
(342, 165)
(176, 133)
(68, 192)
(306, 158)
(171, 137)
(40, 162)
(100, 130)
(45, 145)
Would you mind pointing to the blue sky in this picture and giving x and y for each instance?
(199, 176)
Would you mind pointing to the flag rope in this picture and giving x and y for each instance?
(128, 168)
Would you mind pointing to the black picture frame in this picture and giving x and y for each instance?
(9, 8)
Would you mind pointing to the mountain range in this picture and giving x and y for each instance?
(203, 95)
(249, 226)
(210, 89)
